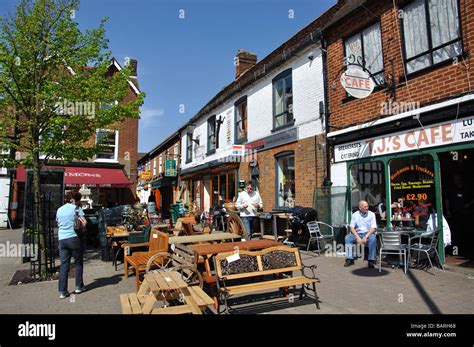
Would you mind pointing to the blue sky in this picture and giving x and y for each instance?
(187, 61)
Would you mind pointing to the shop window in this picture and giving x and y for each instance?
(108, 141)
(282, 100)
(211, 135)
(367, 182)
(285, 179)
(412, 190)
(241, 120)
(223, 188)
(365, 48)
(255, 176)
(431, 32)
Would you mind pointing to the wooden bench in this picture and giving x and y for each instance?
(278, 261)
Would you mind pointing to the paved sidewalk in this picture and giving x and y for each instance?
(356, 289)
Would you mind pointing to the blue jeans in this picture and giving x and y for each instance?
(351, 240)
(249, 223)
(74, 247)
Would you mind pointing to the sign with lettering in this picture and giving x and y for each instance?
(146, 175)
(357, 82)
(441, 134)
(278, 139)
(170, 168)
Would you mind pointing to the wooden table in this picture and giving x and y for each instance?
(165, 285)
(207, 251)
(204, 238)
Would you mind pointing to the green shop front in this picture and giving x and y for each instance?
(167, 185)
(409, 175)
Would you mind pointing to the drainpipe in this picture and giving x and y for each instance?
(327, 180)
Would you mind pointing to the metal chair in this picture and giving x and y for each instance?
(391, 244)
(315, 233)
(430, 247)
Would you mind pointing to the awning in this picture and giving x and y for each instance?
(75, 177)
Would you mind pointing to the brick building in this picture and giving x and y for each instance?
(158, 174)
(111, 175)
(407, 148)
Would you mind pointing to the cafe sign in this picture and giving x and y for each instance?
(357, 82)
(441, 134)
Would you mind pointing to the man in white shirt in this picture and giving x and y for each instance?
(363, 227)
(248, 202)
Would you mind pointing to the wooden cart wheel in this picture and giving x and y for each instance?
(235, 225)
(159, 261)
(163, 261)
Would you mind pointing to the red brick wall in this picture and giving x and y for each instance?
(439, 83)
(128, 141)
(309, 171)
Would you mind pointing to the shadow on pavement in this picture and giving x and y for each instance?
(366, 272)
(104, 281)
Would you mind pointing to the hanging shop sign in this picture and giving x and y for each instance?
(170, 168)
(146, 175)
(441, 134)
(357, 82)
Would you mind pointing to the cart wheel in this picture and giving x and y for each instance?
(235, 225)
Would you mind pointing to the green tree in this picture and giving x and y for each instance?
(54, 83)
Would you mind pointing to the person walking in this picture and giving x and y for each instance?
(248, 202)
(71, 244)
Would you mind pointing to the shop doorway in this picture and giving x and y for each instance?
(458, 204)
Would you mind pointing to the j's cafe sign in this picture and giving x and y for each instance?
(441, 134)
(357, 82)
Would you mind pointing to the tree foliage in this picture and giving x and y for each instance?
(55, 82)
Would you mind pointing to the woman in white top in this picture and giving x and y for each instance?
(248, 202)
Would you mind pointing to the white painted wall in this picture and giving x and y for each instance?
(4, 197)
(308, 91)
(339, 175)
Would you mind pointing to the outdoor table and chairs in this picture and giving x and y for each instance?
(405, 241)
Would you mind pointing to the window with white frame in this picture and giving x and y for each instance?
(211, 135)
(176, 151)
(108, 141)
(283, 99)
(241, 120)
(431, 33)
(160, 164)
(189, 147)
(365, 48)
(154, 167)
(3, 153)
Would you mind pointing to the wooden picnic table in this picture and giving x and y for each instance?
(204, 238)
(164, 285)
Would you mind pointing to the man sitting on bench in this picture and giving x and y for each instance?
(363, 226)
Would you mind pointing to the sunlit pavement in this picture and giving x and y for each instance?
(355, 289)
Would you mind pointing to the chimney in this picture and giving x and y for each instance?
(133, 66)
(243, 62)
